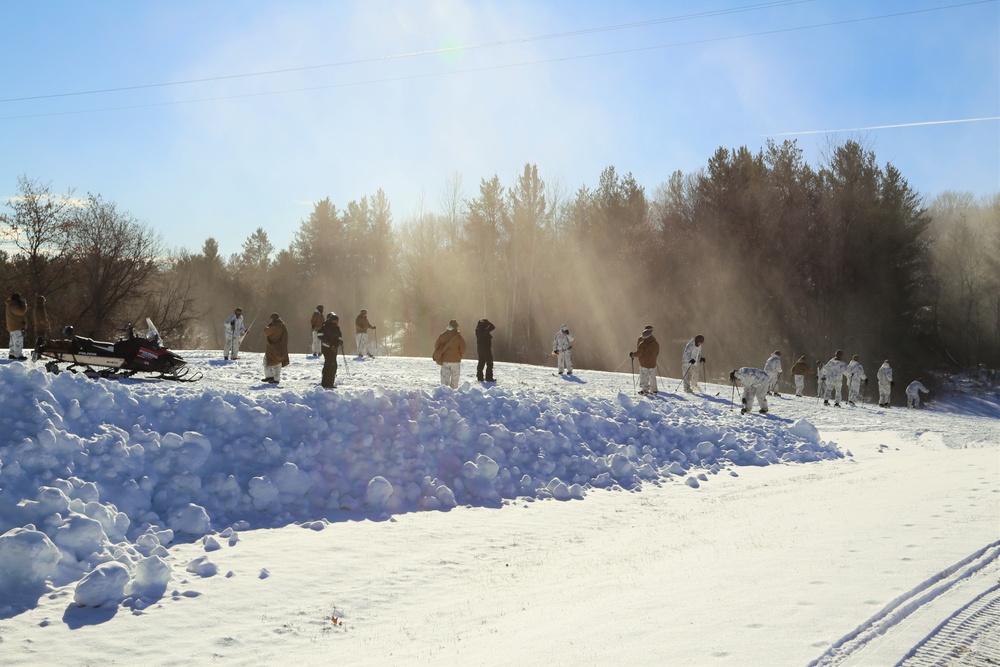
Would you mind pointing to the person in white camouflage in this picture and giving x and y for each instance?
(855, 373)
(755, 383)
(885, 383)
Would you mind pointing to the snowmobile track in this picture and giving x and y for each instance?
(970, 638)
(980, 615)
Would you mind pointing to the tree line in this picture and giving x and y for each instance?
(757, 251)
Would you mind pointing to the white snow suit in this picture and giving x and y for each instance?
(234, 335)
(562, 346)
(689, 366)
(773, 369)
(855, 374)
(884, 376)
(913, 391)
(834, 380)
(755, 383)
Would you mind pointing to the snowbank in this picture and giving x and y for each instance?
(96, 472)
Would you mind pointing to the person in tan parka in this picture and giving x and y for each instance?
(275, 349)
(449, 350)
(16, 309)
(361, 328)
(800, 369)
(316, 322)
(40, 318)
(647, 350)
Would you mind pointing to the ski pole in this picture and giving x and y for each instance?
(633, 373)
(621, 364)
(732, 399)
(684, 378)
(343, 352)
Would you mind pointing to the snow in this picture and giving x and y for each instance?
(564, 520)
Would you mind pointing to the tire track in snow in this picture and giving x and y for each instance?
(969, 638)
(907, 603)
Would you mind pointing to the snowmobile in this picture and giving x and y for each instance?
(127, 356)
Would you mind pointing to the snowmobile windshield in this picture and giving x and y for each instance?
(152, 334)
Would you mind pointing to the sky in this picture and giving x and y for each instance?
(540, 520)
(214, 119)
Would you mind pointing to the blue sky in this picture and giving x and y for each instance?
(373, 95)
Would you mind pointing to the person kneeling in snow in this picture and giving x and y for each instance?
(913, 391)
(755, 383)
(646, 351)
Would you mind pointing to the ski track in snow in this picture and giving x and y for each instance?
(906, 604)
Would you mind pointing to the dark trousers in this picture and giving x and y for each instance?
(485, 361)
(329, 367)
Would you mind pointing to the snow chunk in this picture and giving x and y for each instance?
(805, 430)
(104, 585)
(27, 558)
(378, 493)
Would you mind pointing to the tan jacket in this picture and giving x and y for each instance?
(15, 314)
(317, 321)
(41, 318)
(647, 350)
(802, 367)
(450, 347)
(276, 348)
(362, 325)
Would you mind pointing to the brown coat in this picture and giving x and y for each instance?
(317, 321)
(646, 351)
(41, 318)
(450, 347)
(16, 308)
(361, 324)
(276, 348)
(802, 367)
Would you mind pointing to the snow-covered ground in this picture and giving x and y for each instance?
(542, 519)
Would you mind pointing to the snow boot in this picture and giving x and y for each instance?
(826, 402)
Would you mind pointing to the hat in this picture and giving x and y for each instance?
(452, 324)
(699, 339)
(238, 310)
(332, 316)
(839, 354)
(648, 331)
(777, 352)
(564, 328)
(363, 310)
(319, 308)
(275, 316)
(855, 357)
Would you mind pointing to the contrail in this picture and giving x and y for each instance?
(887, 127)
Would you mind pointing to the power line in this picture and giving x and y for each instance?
(887, 127)
(414, 54)
(487, 68)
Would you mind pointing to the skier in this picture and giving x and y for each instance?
(820, 379)
(16, 309)
(234, 334)
(834, 375)
(885, 383)
(562, 346)
(449, 350)
(316, 323)
(646, 351)
(773, 369)
(361, 327)
(40, 319)
(800, 369)
(331, 340)
(484, 350)
(275, 349)
(913, 391)
(689, 358)
(855, 375)
(755, 383)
